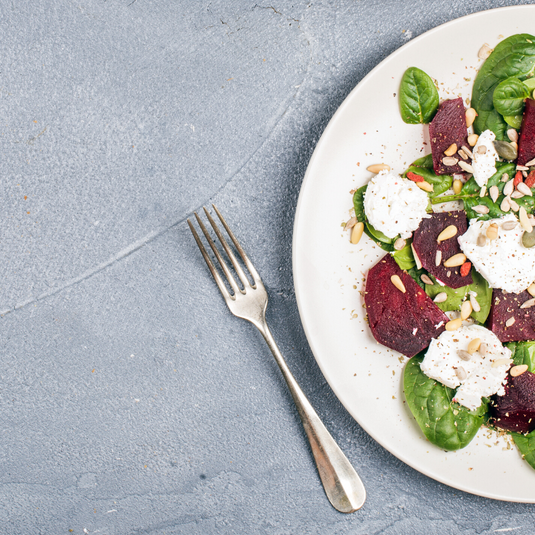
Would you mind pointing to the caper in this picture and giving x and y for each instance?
(505, 150)
(528, 239)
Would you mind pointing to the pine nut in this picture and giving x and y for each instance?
(399, 244)
(510, 322)
(513, 204)
(466, 167)
(356, 233)
(466, 310)
(494, 193)
(461, 374)
(484, 52)
(492, 231)
(481, 209)
(522, 188)
(464, 355)
(481, 240)
(456, 260)
(514, 144)
(416, 258)
(377, 168)
(472, 139)
(427, 280)
(508, 188)
(509, 225)
(528, 304)
(457, 186)
(512, 134)
(505, 205)
(475, 304)
(447, 233)
(531, 289)
(501, 362)
(425, 186)
(453, 325)
(396, 281)
(518, 370)
(451, 150)
(468, 152)
(441, 297)
(470, 115)
(524, 221)
(474, 345)
(449, 161)
(438, 257)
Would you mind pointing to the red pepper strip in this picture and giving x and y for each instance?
(465, 269)
(414, 177)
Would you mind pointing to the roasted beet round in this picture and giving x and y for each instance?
(507, 320)
(447, 127)
(515, 410)
(406, 321)
(526, 142)
(426, 247)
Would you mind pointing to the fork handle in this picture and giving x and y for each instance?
(340, 480)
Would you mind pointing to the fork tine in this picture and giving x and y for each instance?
(247, 262)
(243, 277)
(211, 267)
(222, 262)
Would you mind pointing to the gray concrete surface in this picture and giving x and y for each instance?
(131, 401)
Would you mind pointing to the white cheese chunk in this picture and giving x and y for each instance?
(442, 361)
(484, 162)
(504, 262)
(394, 205)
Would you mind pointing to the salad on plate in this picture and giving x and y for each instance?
(455, 290)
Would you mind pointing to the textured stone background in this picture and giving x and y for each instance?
(131, 401)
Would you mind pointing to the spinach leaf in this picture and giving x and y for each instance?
(514, 56)
(444, 423)
(513, 120)
(526, 445)
(418, 97)
(424, 161)
(508, 97)
(530, 83)
(525, 354)
(405, 258)
(484, 296)
(441, 183)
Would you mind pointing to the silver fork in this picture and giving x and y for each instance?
(340, 481)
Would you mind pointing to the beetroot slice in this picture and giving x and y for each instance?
(426, 246)
(447, 127)
(506, 306)
(515, 410)
(526, 141)
(406, 321)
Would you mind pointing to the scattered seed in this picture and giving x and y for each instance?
(399, 244)
(494, 193)
(513, 204)
(472, 139)
(509, 225)
(462, 154)
(457, 186)
(531, 289)
(461, 374)
(518, 370)
(528, 304)
(447, 233)
(453, 325)
(512, 134)
(525, 174)
(470, 115)
(427, 280)
(350, 224)
(474, 345)
(481, 209)
(449, 161)
(530, 163)
(475, 304)
(378, 167)
(463, 355)
(482, 149)
(481, 240)
(500, 362)
(524, 221)
(528, 239)
(492, 231)
(425, 186)
(484, 52)
(510, 322)
(456, 260)
(505, 205)
(466, 310)
(416, 258)
(441, 297)
(483, 191)
(467, 151)
(438, 257)
(505, 150)
(505, 177)
(466, 167)
(397, 282)
(514, 144)
(483, 349)
(451, 150)
(522, 188)
(356, 233)
(508, 188)
(522, 168)
(517, 194)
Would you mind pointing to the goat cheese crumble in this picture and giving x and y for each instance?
(394, 205)
(485, 157)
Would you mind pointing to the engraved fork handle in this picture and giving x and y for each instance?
(340, 480)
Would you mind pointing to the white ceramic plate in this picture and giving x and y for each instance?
(329, 271)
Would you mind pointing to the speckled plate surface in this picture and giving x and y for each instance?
(329, 272)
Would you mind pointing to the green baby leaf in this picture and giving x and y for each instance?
(523, 353)
(508, 97)
(441, 183)
(444, 423)
(418, 97)
(424, 161)
(526, 445)
(405, 258)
